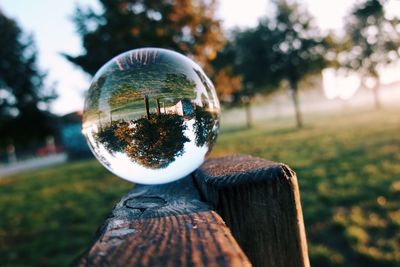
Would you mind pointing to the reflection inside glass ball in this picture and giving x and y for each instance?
(151, 116)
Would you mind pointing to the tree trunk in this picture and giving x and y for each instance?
(146, 105)
(11, 156)
(295, 98)
(249, 115)
(158, 107)
(375, 91)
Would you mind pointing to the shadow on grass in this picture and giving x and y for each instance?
(282, 131)
(234, 129)
(266, 127)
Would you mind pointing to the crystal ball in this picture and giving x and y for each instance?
(151, 115)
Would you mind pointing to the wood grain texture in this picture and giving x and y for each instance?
(164, 225)
(259, 200)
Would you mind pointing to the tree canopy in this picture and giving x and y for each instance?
(186, 26)
(24, 115)
(372, 41)
(285, 46)
(153, 142)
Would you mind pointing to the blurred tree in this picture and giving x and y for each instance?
(373, 42)
(24, 101)
(228, 73)
(226, 79)
(253, 61)
(186, 26)
(286, 46)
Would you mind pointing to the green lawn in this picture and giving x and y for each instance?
(48, 217)
(348, 166)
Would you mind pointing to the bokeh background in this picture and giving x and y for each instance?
(314, 84)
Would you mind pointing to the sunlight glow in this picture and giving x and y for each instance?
(340, 85)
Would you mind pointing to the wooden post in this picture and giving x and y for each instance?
(260, 202)
(146, 106)
(170, 225)
(164, 225)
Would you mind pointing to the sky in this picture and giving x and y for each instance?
(54, 34)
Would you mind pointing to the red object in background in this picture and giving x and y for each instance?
(46, 150)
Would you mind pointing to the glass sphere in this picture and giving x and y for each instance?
(151, 115)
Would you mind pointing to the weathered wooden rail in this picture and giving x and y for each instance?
(233, 211)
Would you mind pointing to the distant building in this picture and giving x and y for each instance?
(183, 107)
(73, 141)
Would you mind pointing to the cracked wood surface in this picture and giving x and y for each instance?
(164, 225)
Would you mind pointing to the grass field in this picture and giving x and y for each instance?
(348, 166)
